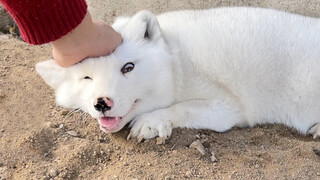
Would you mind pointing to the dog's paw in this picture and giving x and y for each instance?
(315, 131)
(150, 125)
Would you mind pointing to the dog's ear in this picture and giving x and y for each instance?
(51, 72)
(142, 26)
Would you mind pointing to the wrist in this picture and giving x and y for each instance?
(88, 39)
(74, 43)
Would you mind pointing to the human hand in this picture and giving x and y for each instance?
(88, 39)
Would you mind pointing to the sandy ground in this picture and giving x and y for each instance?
(40, 140)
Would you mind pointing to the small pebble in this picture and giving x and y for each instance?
(64, 113)
(188, 173)
(51, 125)
(61, 126)
(257, 166)
(73, 133)
(198, 146)
(2, 130)
(46, 178)
(213, 157)
(316, 151)
(2, 95)
(160, 140)
(53, 173)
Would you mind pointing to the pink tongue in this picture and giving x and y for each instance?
(108, 122)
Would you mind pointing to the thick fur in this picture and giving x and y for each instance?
(210, 69)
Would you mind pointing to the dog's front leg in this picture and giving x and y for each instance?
(198, 114)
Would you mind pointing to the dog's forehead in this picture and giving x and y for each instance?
(103, 61)
(126, 52)
(92, 66)
(129, 50)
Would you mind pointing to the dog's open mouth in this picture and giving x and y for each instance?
(112, 124)
(109, 123)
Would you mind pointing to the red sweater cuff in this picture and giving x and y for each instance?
(42, 21)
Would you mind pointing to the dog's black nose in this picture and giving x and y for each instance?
(103, 104)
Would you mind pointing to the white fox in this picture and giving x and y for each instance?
(205, 69)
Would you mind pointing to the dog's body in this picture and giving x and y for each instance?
(211, 69)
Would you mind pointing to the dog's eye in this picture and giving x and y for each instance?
(127, 67)
(87, 77)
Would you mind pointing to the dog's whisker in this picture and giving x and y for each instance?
(84, 115)
(72, 112)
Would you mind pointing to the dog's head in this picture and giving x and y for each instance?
(136, 78)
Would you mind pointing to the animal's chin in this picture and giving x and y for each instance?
(110, 124)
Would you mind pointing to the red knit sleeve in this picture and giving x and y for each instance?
(42, 21)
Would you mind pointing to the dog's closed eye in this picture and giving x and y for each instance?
(87, 77)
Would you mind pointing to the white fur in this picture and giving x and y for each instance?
(209, 69)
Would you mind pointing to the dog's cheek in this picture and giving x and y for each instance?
(63, 100)
(66, 96)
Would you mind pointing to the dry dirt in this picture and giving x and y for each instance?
(40, 140)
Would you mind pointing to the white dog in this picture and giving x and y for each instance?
(210, 69)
